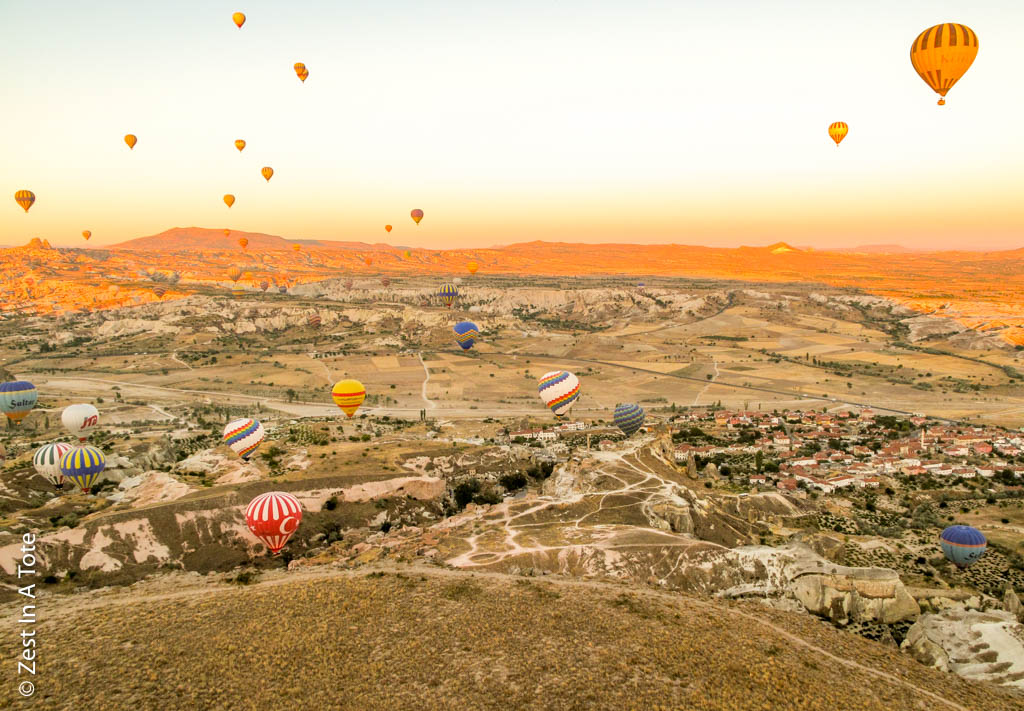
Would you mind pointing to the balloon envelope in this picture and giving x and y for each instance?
(87, 234)
(243, 242)
(559, 389)
(963, 545)
(417, 215)
(942, 54)
(629, 418)
(240, 145)
(348, 395)
(472, 267)
(273, 518)
(80, 419)
(466, 333)
(268, 173)
(46, 461)
(244, 436)
(387, 228)
(229, 200)
(83, 466)
(239, 19)
(25, 198)
(131, 140)
(17, 398)
(837, 131)
(448, 293)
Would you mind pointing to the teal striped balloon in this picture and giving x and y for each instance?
(629, 418)
(17, 398)
(83, 466)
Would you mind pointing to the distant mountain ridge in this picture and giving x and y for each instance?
(208, 239)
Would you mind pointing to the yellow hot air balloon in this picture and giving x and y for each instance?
(229, 200)
(472, 267)
(227, 233)
(407, 254)
(239, 19)
(234, 273)
(387, 228)
(348, 395)
(131, 140)
(300, 71)
(240, 145)
(268, 173)
(243, 242)
(942, 54)
(837, 132)
(417, 215)
(25, 198)
(296, 247)
(87, 234)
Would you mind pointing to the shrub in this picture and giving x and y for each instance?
(513, 481)
(464, 492)
(331, 503)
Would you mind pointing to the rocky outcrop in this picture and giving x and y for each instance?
(1011, 603)
(845, 595)
(985, 646)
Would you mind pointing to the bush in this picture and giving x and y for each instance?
(513, 481)
(464, 492)
(331, 503)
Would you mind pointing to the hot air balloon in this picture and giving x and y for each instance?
(407, 254)
(387, 228)
(296, 247)
(466, 334)
(629, 418)
(348, 395)
(229, 200)
(17, 398)
(239, 19)
(282, 289)
(417, 215)
(264, 285)
(234, 273)
(472, 267)
(300, 69)
(80, 419)
(46, 461)
(227, 233)
(243, 242)
(348, 284)
(448, 293)
(559, 389)
(368, 260)
(131, 140)
(83, 466)
(942, 54)
(304, 75)
(160, 290)
(267, 172)
(238, 291)
(385, 282)
(273, 518)
(963, 545)
(87, 234)
(244, 436)
(837, 132)
(240, 145)
(314, 320)
(25, 198)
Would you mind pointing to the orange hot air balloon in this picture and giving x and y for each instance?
(368, 260)
(268, 173)
(387, 228)
(239, 19)
(87, 234)
(229, 200)
(227, 233)
(243, 242)
(837, 132)
(407, 254)
(234, 273)
(240, 145)
(296, 247)
(417, 215)
(25, 198)
(300, 71)
(472, 267)
(131, 140)
(942, 54)
(304, 75)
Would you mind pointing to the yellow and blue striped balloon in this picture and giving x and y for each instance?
(83, 466)
(17, 398)
(448, 293)
(466, 333)
(629, 417)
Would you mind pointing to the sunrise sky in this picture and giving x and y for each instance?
(578, 120)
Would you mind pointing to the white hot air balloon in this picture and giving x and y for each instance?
(80, 419)
(46, 460)
(244, 436)
(559, 390)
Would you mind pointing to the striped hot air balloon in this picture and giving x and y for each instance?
(448, 293)
(83, 466)
(273, 518)
(282, 289)
(25, 198)
(466, 333)
(17, 398)
(559, 390)
(238, 291)
(629, 418)
(314, 320)
(244, 436)
(46, 461)
(963, 545)
(160, 290)
(416, 215)
(837, 132)
(348, 395)
(942, 54)
(240, 145)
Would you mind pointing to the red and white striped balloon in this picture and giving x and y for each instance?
(273, 518)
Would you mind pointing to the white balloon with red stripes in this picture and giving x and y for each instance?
(273, 518)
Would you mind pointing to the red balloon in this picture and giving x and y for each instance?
(273, 518)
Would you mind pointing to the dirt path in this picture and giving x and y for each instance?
(430, 403)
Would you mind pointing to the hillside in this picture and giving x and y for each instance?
(409, 637)
(207, 239)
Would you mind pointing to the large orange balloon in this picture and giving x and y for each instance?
(87, 234)
(243, 242)
(837, 132)
(368, 260)
(131, 140)
(25, 198)
(240, 144)
(942, 54)
(229, 200)
(387, 228)
(417, 215)
(472, 267)
(268, 173)
(239, 19)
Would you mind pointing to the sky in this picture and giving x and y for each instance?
(579, 120)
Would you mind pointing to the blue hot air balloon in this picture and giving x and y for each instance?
(629, 417)
(448, 293)
(83, 465)
(963, 545)
(466, 333)
(17, 398)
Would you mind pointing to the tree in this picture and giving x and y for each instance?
(759, 460)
